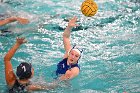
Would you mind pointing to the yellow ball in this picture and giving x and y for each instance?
(89, 8)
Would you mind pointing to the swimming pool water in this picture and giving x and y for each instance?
(110, 62)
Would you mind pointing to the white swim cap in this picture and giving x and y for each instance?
(77, 50)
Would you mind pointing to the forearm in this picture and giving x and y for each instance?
(42, 87)
(65, 77)
(3, 22)
(8, 20)
(67, 32)
(36, 87)
(11, 52)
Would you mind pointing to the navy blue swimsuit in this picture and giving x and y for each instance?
(62, 67)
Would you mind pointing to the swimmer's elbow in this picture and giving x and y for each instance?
(7, 58)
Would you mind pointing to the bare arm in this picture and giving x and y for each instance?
(13, 19)
(67, 76)
(42, 87)
(9, 74)
(8, 20)
(66, 35)
(70, 74)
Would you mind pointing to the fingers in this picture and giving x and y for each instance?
(74, 19)
(25, 21)
(24, 41)
(22, 20)
(21, 40)
(72, 22)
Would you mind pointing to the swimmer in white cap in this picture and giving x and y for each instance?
(68, 68)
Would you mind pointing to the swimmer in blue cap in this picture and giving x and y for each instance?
(68, 68)
(20, 82)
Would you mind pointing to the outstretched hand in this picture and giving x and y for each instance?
(22, 20)
(72, 22)
(21, 40)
